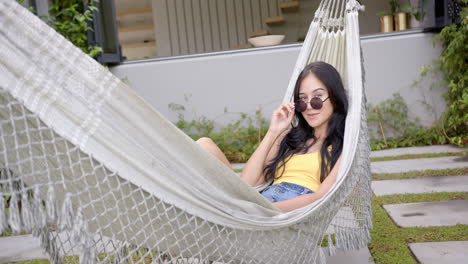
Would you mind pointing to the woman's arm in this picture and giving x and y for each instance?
(253, 169)
(271, 155)
(280, 121)
(274, 149)
(303, 200)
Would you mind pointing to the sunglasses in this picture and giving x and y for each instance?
(315, 103)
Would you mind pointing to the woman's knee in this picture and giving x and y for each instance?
(205, 141)
(209, 145)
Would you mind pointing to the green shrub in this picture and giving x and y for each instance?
(70, 18)
(238, 139)
(390, 117)
(453, 64)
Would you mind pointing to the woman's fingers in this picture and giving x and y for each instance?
(284, 112)
(288, 106)
(291, 115)
(286, 109)
(282, 117)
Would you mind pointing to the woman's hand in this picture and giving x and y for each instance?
(282, 118)
(253, 169)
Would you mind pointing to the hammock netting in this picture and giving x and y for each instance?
(101, 177)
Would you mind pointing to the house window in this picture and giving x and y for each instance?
(104, 33)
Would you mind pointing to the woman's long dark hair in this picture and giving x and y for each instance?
(296, 140)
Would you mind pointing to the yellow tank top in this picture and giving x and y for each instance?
(301, 169)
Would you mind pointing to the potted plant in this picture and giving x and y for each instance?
(400, 17)
(395, 19)
(415, 11)
(386, 17)
(386, 21)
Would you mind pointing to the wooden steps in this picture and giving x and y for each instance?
(135, 11)
(139, 44)
(139, 50)
(136, 34)
(290, 6)
(258, 33)
(274, 20)
(136, 28)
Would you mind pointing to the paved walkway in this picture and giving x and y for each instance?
(361, 256)
(20, 248)
(421, 185)
(443, 213)
(398, 166)
(416, 150)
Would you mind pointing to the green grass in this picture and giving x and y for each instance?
(390, 243)
(419, 174)
(419, 156)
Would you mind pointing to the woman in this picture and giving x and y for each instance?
(302, 160)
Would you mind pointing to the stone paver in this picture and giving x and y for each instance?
(443, 213)
(27, 247)
(416, 150)
(237, 166)
(450, 252)
(421, 185)
(361, 256)
(20, 248)
(398, 166)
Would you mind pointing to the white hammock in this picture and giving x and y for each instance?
(99, 175)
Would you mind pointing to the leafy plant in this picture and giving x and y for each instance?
(237, 139)
(390, 116)
(391, 126)
(453, 64)
(394, 8)
(70, 18)
(415, 11)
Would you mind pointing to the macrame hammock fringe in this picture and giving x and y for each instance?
(99, 176)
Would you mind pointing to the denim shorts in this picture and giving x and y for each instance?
(284, 191)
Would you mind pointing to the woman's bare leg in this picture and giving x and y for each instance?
(210, 146)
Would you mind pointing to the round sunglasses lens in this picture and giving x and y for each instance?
(301, 106)
(316, 103)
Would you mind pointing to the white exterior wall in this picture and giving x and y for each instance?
(242, 80)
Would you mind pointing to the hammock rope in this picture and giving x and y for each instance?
(100, 176)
